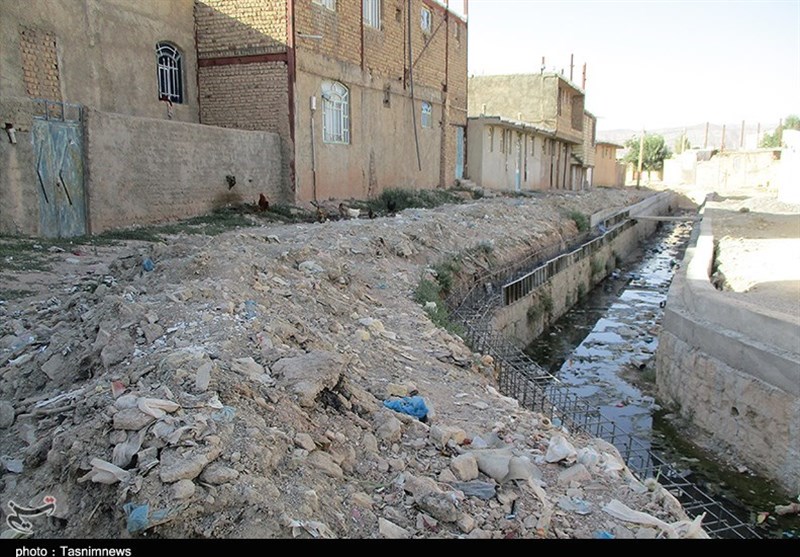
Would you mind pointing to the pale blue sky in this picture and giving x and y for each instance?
(652, 63)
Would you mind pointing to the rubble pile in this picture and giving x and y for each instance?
(235, 386)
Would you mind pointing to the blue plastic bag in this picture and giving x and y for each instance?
(411, 405)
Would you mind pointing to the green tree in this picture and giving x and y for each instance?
(655, 151)
(775, 139)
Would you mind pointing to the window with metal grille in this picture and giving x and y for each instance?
(335, 112)
(427, 115)
(330, 4)
(372, 13)
(170, 73)
(426, 20)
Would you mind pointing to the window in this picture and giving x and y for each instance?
(372, 13)
(170, 73)
(427, 20)
(427, 115)
(330, 4)
(335, 113)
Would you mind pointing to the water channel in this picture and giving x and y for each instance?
(603, 351)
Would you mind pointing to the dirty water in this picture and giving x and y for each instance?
(603, 351)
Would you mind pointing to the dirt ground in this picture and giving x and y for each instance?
(233, 386)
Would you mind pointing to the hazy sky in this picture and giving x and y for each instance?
(652, 63)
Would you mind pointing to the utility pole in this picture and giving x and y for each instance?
(571, 65)
(641, 154)
(583, 86)
(705, 141)
(741, 137)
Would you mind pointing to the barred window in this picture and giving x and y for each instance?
(170, 73)
(372, 13)
(427, 115)
(335, 112)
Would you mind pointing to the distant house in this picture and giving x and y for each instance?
(547, 102)
(507, 155)
(608, 171)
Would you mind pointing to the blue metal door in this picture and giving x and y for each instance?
(58, 147)
(459, 152)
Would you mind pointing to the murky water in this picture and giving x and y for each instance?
(604, 350)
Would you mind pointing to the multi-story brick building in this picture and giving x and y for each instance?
(551, 104)
(365, 95)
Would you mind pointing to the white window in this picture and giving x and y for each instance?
(372, 13)
(170, 73)
(330, 4)
(335, 112)
(427, 20)
(427, 115)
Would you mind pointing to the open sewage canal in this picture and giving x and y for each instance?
(603, 353)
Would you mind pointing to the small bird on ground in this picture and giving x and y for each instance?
(263, 204)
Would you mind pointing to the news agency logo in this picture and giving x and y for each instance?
(18, 518)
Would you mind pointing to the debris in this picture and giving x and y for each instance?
(413, 406)
(156, 407)
(309, 374)
(680, 529)
(439, 505)
(13, 465)
(312, 527)
(791, 508)
(139, 518)
(388, 427)
(6, 414)
(465, 467)
(304, 441)
(217, 474)
(575, 473)
(104, 472)
(325, 463)
(183, 489)
(465, 523)
(442, 435)
(477, 488)
(575, 505)
(560, 449)
(148, 265)
(390, 530)
(603, 535)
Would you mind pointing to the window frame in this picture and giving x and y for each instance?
(426, 11)
(426, 110)
(170, 73)
(371, 13)
(335, 113)
(327, 4)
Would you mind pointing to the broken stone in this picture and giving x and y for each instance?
(54, 366)
(310, 268)
(119, 347)
(323, 461)
(175, 468)
(576, 473)
(465, 523)
(152, 332)
(183, 489)
(447, 476)
(370, 443)
(203, 377)
(361, 499)
(440, 435)
(388, 428)
(6, 414)
(217, 474)
(13, 465)
(132, 419)
(477, 488)
(309, 374)
(392, 531)
(304, 441)
(418, 486)
(439, 505)
(247, 367)
(465, 467)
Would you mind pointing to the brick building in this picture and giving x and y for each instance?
(355, 89)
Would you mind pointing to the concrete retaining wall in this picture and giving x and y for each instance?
(526, 319)
(732, 368)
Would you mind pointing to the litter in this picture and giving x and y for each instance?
(412, 405)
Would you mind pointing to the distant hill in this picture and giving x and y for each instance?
(696, 135)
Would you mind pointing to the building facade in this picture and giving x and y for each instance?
(550, 103)
(607, 170)
(365, 95)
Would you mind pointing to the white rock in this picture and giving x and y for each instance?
(576, 473)
(390, 530)
(560, 449)
(304, 441)
(465, 523)
(183, 489)
(465, 467)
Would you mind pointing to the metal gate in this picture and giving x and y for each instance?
(57, 135)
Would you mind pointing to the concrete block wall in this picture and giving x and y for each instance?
(733, 369)
(144, 171)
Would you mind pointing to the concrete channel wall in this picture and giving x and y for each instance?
(733, 369)
(526, 318)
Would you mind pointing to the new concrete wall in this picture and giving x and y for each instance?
(523, 324)
(732, 368)
(143, 170)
